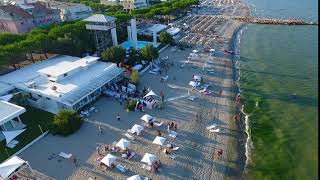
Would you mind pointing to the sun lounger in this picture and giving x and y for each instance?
(65, 155)
(191, 98)
(121, 168)
(214, 130)
(152, 72)
(132, 155)
(212, 126)
(146, 167)
(158, 124)
(129, 136)
(173, 134)
(172, 157)
(176, 148)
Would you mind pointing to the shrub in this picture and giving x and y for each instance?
(66, 122)
(165, 38)
(131, 105)
(134, 77)
(20, 99)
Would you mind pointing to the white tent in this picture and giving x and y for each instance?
(136, 128)
(108, 159)
(10, 166)
(147, 118)
(149, 158)
(159, 140)
(123, 144)
(197, 78)
(193, 83)
(6, 97)
(10, 135)
(150, 93)
(134, 177)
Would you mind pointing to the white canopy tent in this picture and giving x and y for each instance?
(159, 140)
(10, 135)
(147, 118)
(149, 158)
(108, 159)
(8, 167)
(136, 129)
(134, 177)
(123, 144)
(150, 93)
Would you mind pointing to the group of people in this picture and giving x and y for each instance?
(155, 166)
(172, 125)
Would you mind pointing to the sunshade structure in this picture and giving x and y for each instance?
(123, 144)
(136, 129)
(149, 158)
(159, 140)
(108, 159)
(10, 135)
(147, 118)
(150, 93)
(134, 177)
(193, 83)
(197, 78)
(8, 167)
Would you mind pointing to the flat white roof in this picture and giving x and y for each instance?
(8, 111)
(173, 31)
(70, 89)
(157, 27)
(99, 18)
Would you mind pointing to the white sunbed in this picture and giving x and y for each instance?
(214, 130)
(192, 98)
(158, 124)
(121, 168)
(146, 167)
(65, 155)
(176, 148)
(129, 136)
(212, 126)
(152, 72)
(173, 134)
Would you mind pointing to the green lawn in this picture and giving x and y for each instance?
(32, 118)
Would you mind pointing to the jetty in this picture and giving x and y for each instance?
(256, 20)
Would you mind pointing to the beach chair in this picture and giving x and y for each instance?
(212, 126)
(121, 168)
(152, 72)
(146, 167)
(158, 124)
(192, 98)
(164, 78)
(176, 148)
(65, 155)
(129, 136)
(173, 134)
(132, 155)
(214, 130)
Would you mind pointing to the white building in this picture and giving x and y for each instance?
(64, 82)
(9, 116)
(174, 32)
(129, 5)
(70, 11)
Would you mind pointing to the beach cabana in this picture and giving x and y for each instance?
(159, 140)
(193, 83)
(134, 177)
(108, 159)
(149, 158)
(136, 129)
(11, 165)
(147, 118)
(123, 144)
(150, 93)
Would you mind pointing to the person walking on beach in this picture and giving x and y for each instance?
(220, 92)
(162, 96)
(100, 129)
(118, 117)
(75, 161)
(219, 154)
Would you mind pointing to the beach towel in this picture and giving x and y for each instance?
(214, 130)
(65, 155)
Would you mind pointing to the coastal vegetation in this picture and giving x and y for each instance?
(114, 54)
(149, 52)
(66, 122)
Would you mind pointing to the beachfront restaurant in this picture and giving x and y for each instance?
(64, 82)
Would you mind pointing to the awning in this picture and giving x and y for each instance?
(10, 135)
(9, 166)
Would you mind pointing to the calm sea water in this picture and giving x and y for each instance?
(279, 84)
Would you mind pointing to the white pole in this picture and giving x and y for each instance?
(40, 128)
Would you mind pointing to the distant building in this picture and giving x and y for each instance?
(129, 5)
(111, 2)
(21, 18)
(64, 82)
(69, 11)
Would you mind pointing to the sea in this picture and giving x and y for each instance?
(279, 90)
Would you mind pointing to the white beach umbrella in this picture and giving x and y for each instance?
(149, 158)
(159, 140)
(196, 77)
(193, 83)
(136, 128)
(123, 144)
(134, 177)
(147, 118)
(108, 159)
(150, 93)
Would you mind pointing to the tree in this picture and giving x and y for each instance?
(134, 77)
(20, 99)
(149, 52)
(165, 38)
(114, 54)
(9, 38)
(135, 57)
(13, 54)
(66, 122)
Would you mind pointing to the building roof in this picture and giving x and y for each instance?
(8, 111)
(99, 18)
(15, 11)
(64, 5)
(70, 89)
(157, 28)
(173, 31)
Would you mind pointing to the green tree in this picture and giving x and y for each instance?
(114, 54)
(13, 54)
(20, 99)
(165, 38)
(134, 77)
(9, 38)
(149, 52)
(135, 56)
(66, 122)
